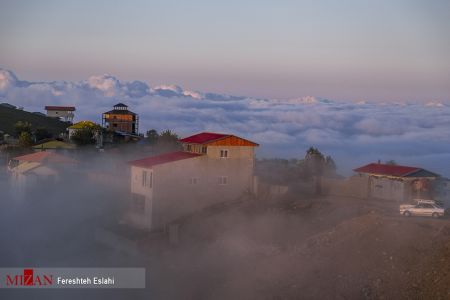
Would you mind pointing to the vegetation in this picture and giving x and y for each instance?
(42, 133)
(25, 140)
(11, 116)
(152, 137)
(85, 133)
(20, 127)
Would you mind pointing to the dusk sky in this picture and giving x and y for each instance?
(360, 50)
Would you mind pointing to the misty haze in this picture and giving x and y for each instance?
(198, 150)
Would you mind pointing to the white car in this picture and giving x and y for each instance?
(427, 208)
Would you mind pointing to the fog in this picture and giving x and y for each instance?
(274, 245)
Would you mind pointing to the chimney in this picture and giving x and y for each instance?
(379, 161)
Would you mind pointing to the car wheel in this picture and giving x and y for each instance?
(435, 215)
(407, 214)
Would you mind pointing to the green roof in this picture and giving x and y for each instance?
(54, 145)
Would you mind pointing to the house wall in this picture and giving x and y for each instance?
(186, 186)
(67, 115)
(387, 188)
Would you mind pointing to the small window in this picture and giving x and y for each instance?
(223, 180)
(204, 149)
(194, 180)
(223, 153)
(189, 148)
(144, 178)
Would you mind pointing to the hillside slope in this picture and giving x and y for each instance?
(10, 116)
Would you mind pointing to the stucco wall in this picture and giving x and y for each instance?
(186, 186)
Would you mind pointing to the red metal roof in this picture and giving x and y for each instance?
(389, 170)
(204, 137)
(46, 157)
(162, 159)
(64, 108)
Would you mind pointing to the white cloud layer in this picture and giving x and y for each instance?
(354, 133)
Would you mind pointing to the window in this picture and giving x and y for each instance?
(189, 148)
(194, 180)
(144, 178)
(147, 179)
(150, 183)
(223, 180)
(204, 149)
(223, 153)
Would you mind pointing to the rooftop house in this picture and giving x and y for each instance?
(121, 119)
(398, 183)
(212, 168)
(37, 171)
(65, 113)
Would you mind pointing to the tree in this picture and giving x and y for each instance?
(315, 161)
(168, 141)
(85, 133)
(330, 165)
(20, 127)
(42, 133)
(25, 140)
(391, 162)
(152, 137)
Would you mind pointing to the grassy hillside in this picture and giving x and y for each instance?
(10, 116)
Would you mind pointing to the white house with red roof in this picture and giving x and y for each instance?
(65, 113)
(395, 182)
(37, 169)
(212, 168)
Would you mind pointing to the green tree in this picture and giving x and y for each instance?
(21, 126)
(168, 141)
(42, 133)
(152, 137)
(391, 162)
(83, 136)
(25, 140)
(315, 161)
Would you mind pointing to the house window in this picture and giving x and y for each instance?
(223, 180)
(204, 149)
(223, 153)
(138, 203)
(189, 148)
(144, 178)
(147, 179)
(194, 180)
(150, 183)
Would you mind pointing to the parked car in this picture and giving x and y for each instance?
(426, 208)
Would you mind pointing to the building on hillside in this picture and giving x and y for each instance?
(54, 145)
(64, 113)
(398, 183)
(37, 171)
(121, 119)
(213, 168)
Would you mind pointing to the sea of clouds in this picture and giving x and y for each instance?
(354, 133)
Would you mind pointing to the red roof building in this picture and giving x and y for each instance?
(204, 138)
(62, 112)
(60, 108)
(45, 157)
(394, 170)
(149, 162)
